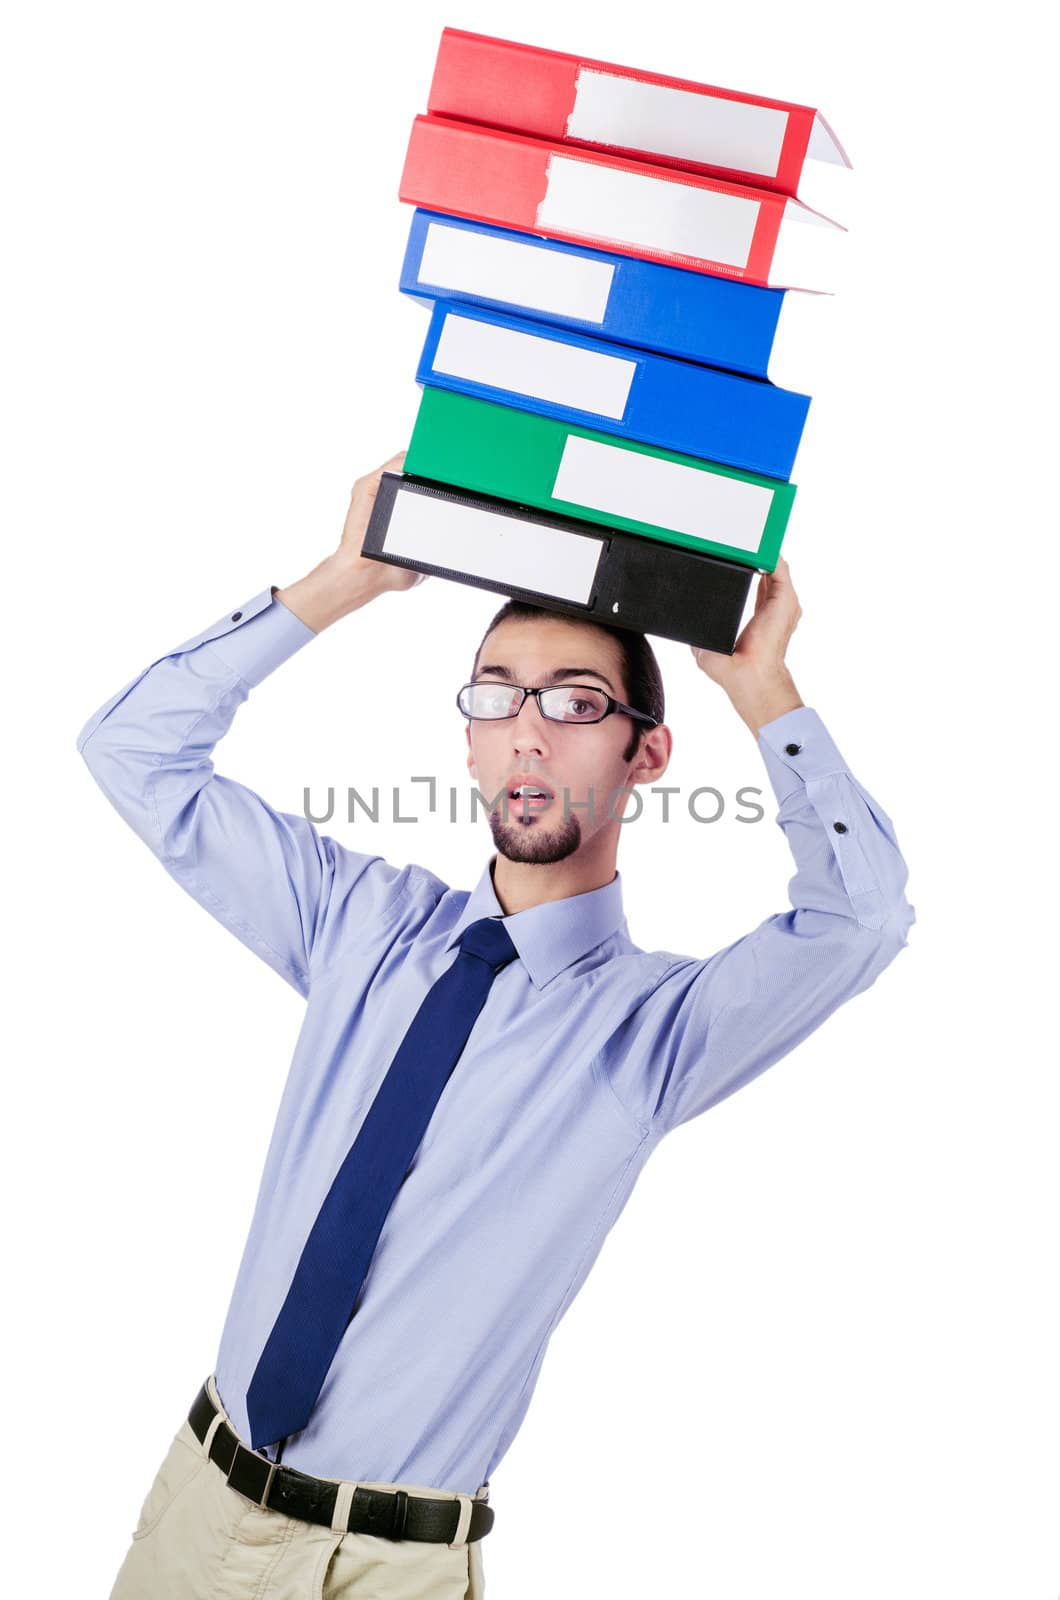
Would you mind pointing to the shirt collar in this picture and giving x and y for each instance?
(551, 936)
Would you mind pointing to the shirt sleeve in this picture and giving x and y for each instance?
(711, 1026)
(288, 892)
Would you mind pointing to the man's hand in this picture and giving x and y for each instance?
(755, 676)
(384, 574)
(346, 580)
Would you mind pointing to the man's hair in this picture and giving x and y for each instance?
(640, 668)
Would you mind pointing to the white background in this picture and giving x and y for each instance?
(818, 1354)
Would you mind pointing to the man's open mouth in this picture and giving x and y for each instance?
(528, 798)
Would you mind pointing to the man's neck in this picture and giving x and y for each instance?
(519, 885)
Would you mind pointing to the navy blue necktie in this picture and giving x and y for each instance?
(331, 1270)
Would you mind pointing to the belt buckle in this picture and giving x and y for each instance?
(264, 1500)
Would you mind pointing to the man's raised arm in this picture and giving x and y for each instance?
(286, 891)
(715, 1024)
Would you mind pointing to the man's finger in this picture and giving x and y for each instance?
(370, 480)
(779, 586)
(782, 576)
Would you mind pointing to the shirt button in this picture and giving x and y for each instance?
(840, 827)
(792, 749)
(236, 615)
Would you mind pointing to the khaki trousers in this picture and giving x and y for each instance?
(199, 1539)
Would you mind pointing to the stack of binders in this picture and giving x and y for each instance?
(606, 254)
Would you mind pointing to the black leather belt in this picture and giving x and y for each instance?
(393, 1514)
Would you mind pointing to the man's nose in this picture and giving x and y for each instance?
(530, 727)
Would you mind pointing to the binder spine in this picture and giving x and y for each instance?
(683, 595)
(645, 116)
(698, 223)
(487, 448)
(636, 394)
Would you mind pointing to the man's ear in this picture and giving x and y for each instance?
(653, 757)
(470, 756)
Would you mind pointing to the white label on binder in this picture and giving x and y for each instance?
(609, 109)
(527, 275)
(618, 207)
(604, 477)
(484, 544)
(533, 365)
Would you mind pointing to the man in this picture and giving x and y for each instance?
(374, 1369)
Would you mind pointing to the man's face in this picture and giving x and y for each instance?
(575, 762)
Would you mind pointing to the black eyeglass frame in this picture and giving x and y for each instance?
(612, 704)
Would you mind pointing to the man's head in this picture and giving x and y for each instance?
(528, 645)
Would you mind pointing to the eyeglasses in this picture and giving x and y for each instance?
(568, 702)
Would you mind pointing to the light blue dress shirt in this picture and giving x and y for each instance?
(588, 1050)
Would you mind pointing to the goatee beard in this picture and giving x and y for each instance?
(526, 841)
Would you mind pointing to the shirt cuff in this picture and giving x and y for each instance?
(258, 636)
(797, 747)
